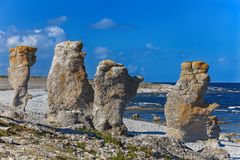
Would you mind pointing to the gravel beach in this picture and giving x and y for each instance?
(39, 109)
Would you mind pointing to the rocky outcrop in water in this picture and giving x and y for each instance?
(70, 96)
(113, 90)
(185, 110)
(20, 60)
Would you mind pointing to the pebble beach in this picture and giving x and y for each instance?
(38, 109)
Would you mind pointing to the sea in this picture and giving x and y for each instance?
(227, 95)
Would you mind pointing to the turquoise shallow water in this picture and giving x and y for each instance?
(225, 94)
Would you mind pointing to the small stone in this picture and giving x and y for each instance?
(7, 140)
(135, 116)
(213, 129)
(156, 119)
(4, 128)
(217, 152)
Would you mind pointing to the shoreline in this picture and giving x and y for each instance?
(37, 108)
(41, 83)
(142, 128)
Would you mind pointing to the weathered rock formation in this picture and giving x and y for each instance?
(113, 90)
(185, 110)
(21, 59)
(213, 130)
(70, 96)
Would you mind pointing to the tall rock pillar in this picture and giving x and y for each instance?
(21, 59)
(114, 88)
(70, 96)
(185, 110)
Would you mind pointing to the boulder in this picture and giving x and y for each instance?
(156, 119)
(70, 96)
(169, 148)
(185, 110)
(114, 88)
(213, 129)
(20, 60)
(215, 151)
(135, 116)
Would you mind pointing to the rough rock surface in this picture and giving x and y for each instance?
(70, 96)
(21, 59)
(213, 130)
(113, 90)
(214, 151)
(168, 148)
(185, 110)
(24, 140)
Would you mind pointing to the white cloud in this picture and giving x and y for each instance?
(12, 29)
(132, 68)
(120, 53)
(58, 20)
(28, 40)
(222, 59)
(13, 40)
(37, 30)
(40, 38)
(104, 23)
(151, 46)
(101, 52)
(2, 33)
(55, 32)
(2, 41)
(142, 70)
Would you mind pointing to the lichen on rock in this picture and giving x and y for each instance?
(20, 60)
(70, 96)
(114, 88)
(185, 110)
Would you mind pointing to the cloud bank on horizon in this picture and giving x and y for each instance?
(152, 43)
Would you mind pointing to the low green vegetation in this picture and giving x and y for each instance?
(81, 145)
(167, 158)
(147, 150)
(132, 149)
(106, 137)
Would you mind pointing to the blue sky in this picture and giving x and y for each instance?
(150, 37)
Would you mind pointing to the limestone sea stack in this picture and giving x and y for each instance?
(185, 110)
(114, 88)
(70, 96)
(21, 59)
